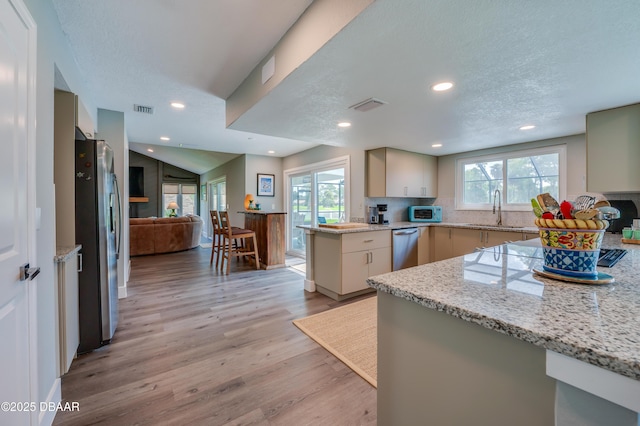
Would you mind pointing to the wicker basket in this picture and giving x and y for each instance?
(571, 246)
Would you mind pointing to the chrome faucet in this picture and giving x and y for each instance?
(499, 197)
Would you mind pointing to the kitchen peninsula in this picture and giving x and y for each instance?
(339, 260)
(479, 339)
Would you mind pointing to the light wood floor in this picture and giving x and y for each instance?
(197, 347)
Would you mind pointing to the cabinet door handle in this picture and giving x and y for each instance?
(367, 241)
(406, 190)
(79, 262)
(371, 257)
(449, 233)
(486, 240)
(481, 236)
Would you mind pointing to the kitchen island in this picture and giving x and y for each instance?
(479, 339)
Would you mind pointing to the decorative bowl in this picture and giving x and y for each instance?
(571, 247)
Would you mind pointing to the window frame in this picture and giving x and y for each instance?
(561, 150)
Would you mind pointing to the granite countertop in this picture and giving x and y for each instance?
(496, 288)
(403, 225)
(64, 253)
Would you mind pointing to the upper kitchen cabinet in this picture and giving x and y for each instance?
(396, 173)
(613, 150)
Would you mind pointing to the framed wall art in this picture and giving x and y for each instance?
(266, 185)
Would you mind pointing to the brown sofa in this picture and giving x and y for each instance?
(163, 235)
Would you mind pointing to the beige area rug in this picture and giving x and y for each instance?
(206, 245)
(350, 333)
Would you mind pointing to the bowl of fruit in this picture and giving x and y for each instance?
(571, 233)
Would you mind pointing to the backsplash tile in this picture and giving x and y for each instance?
(397, 208)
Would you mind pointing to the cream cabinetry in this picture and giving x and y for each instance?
(448, 242)
(613, 150)
(424, 249)
(343, 262)
(68, 330)
(396, 173)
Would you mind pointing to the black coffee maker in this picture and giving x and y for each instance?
(382, 210)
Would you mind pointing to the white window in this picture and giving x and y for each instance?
(183, 194)
(518, 177)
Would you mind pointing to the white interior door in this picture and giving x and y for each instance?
(17, 42)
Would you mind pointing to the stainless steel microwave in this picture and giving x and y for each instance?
(425, 214)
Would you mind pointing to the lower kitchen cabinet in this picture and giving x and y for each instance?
(343, 262)
(451, 242)
(441, 247)
(424, 249)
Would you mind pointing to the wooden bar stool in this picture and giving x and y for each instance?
(217, 237)
(231, 235)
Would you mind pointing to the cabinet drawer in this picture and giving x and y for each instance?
(360, 241)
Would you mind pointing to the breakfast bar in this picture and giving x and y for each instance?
(269, 228)
(481, 339)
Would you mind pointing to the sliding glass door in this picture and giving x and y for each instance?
(317, 193)
(300, 210)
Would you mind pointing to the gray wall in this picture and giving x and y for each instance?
(268, 165)
(235, 174)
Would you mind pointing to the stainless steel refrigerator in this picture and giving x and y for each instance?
(98, 225)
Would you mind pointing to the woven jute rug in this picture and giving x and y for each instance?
(350, 333)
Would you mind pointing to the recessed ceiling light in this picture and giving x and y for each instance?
(528, 127)
(440, 87)
(165, 138)
(178, 105)
(436, 145)
(149, 149)
(271, 152)
(344, 124)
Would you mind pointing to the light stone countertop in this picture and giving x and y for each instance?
(404, 225)
(64, 253)
(496, 288)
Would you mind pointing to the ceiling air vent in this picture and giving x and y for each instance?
(143, 109)
(367, 105)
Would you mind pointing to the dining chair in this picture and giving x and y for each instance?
(230, 235)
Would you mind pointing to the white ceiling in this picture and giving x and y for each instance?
(516, 62)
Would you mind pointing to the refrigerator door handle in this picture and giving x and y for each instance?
(115, 181)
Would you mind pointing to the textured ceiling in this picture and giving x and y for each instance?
(517, 62)
(514, 63)
(152, 52)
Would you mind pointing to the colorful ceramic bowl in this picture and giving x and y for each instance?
(571, 252)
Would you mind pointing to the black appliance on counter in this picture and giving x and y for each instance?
(628, 212)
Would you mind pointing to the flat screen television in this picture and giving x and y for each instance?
(136, 181)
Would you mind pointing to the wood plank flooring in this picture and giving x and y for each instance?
(197, 347)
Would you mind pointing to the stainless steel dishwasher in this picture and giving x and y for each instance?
(405, 248)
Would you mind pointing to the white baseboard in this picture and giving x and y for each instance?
(310, 285)
(55, 396)
(122, 292)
